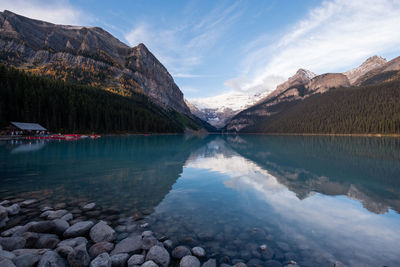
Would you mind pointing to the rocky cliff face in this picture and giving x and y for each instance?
(324, 82)
(86, 55)
(368, 65)
(388, 71)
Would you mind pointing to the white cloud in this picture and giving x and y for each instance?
(181, 48)
(58, 12)
(336, 36)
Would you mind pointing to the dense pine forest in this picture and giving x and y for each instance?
(373, 109)
(65, 107)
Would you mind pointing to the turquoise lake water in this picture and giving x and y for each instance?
(315, 200)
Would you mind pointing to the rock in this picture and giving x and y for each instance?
(27, 260)
(29, 202)
(198, 252)
(147, 234)
(67, 217)
(3, 213)
(47, 241)
(6, 263)
(57, 214)
(73, 242)
(273, 263)
(181, 251)
(254, 263)
(42, 227)
(24, 251)
(103, 260)
(100, 248)
(149, 264)
(210, 263)
(168, 244)
(159, 255)
(102, 232)
(144, 225)
(78, 229)
(240, 264)
(60, 226)
(89, 206)
(3, 222)
(226, 265)
(30, 238)
(12, 243)
(5, 202)
(148, 242)
(6, 255)
(189, 261)
(13, 209)
(79, 257)
(46, 213)
(128, 245)
(52, 259)
(136, 259)
(119, 260)
(46, 208)
(11, 231)
(64, 251)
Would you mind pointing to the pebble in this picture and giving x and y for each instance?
(159, 255)
(78, 229)
(64, 250)
(51, 258)
(67, 217)
(189, 261)
(47, 241)
(119, 260)
(131, 244)
(6, 263)
(27, 260)
(6, 255)
(149, 264)
(89, 206)
(73, 242)
(57, 214)
(180, 251)
(210, 263)
(198, 252)
(28, 202)
(136, 259)
(12, 243)
(13, 209)
(100, 248)
(102, 260)
(79, 257)
(168, 244)
(101, 232)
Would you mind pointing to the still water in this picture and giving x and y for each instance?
(315, 200)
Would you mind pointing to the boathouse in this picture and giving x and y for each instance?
(25, 128)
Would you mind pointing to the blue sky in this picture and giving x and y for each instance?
(217, 47)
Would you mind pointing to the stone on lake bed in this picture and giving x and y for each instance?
(136, 259)
(79, 257)
(128, 245)
(6, 255)
(119, 260)
(101, 232)
(67, 217)
(29, 202)
(78, 229)
(3, 213)
(73, 242)
(180, 251)
(6, 263)
(159, 255)
(210, 263)
(89, 206)
(13, 209)
(51, 258)
(27, 260)
(12, 243)
(198, 252)
(168, 244)
(189, 261)
(148, 242)
(57, 214)
(47, 241)
(100, 248)
(240, 264)
(147, 233)
(103, 260)
(149, 264)
(24, 251)
(64, 250)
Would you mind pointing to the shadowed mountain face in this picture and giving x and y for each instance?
(365, 169)
(129, 173)
(86, 55)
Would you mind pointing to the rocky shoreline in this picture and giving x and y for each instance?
(81, 234)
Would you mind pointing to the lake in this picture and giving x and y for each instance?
(314, 200)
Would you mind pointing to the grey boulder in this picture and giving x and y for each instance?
(210, 263)
(159, 255)
(189, 261)
(47, 241)
(6, 263)
(78, 229)
(12, 243)
(136, 259)
(181, 251)
(79, 257)
(102, 232)
(103, 260)
(13, 209)
(52, 259)
(149, 264)
(119, 260)
(198, 252)
(100, 248)
(131, 244)
(27, 260)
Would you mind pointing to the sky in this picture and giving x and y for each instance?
(216, 48)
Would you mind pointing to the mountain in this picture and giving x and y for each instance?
(368, 65)
(86, 55)
(329, 103)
